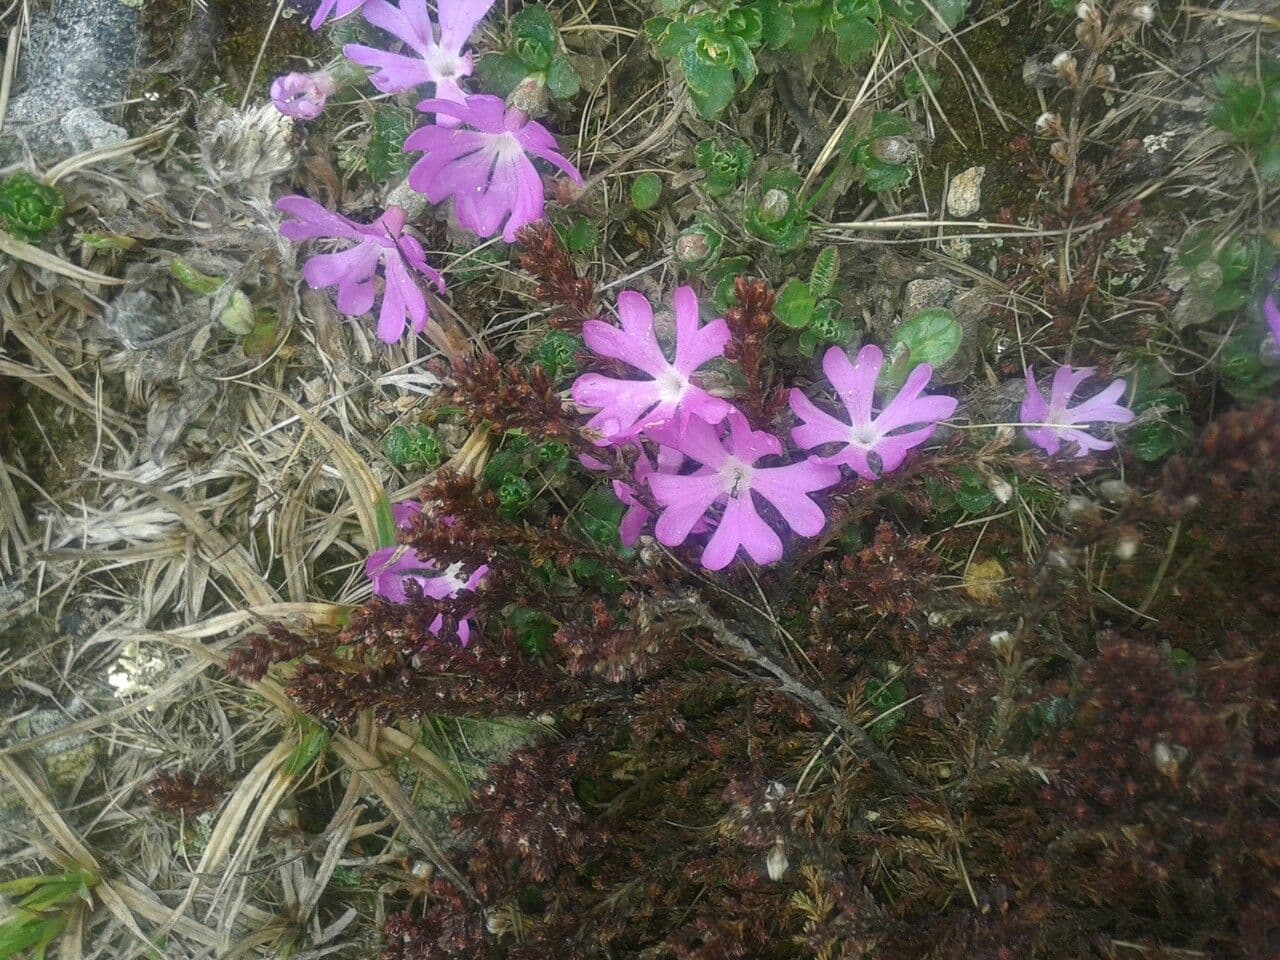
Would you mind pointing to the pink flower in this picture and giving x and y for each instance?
(391, 568)
(628, 407)
(302, 95)
(1271, 307)
(637, 515)
(728, 475)
(486, 169)
(405, 512)
(855, 385)
(440, 62)
(1062, 423)
(338, 9)
(353, 270)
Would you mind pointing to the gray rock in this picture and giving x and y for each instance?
(926, 294)
(85, 129)
(964, 194)
(78, 58)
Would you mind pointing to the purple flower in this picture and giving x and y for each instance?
(486, 169)
(628, 407)
(337, 8)
(440, 62)
(855, 385)
(302, 95)
(353, 270)
(728, 475)
(391, 568)
(1271, 307)
(405, 512)
(1063, 422)
(637, 515)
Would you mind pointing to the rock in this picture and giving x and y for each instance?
(85, 129)
(964, 195)
(65, 759)
(76, 63)
(926, 294)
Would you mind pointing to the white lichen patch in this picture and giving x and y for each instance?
(964, 195)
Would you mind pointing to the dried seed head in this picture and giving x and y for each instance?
(1001, 489)
(1104, 75)
(1079, 508)
(1064, 65)
(1001, 642)
(1049, 124)
(1143, 13)
(1126, 546)
(1084, 10)
(1115, 491)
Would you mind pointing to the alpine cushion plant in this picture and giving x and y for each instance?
(440, 62)
(865, 434)
(1057, 423)
(391, 569)
(484, 164)
(336, 9)
(302, 95)
(625, 408)
(352, 271)
(728, 475)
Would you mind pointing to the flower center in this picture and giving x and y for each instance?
(865, 437)
(736, 476)
(671, 386)
(442, 65)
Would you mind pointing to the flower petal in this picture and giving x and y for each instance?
(741, 526)
(685, 500)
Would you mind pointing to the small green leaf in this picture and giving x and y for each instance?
(533, 630)
(562, 80)
(822, 278)
(30, 208)
(193, 279)
(931, 336)
(313, 739)
(111, 242)
(580, 236)
(500, 73)
(535, 35)
(855, 40)
(386, 159)
(794, 306)
(646, 190)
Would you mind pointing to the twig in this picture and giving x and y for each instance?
(861, 740)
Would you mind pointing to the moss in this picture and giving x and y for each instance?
(998, 50)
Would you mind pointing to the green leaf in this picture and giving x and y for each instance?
(536, 38)
(580, 235)
(794, 307)
(111, 242)
(557, 353)
(931, 336)
(193, 279)
(30, 208)
(712, 101)
(973, 495)
(533, 630)
(500, 73)
(1152, 442)
(951, 11)
(405, 446)
(313, 739)
(386, 159)
(776, 23)
(646, 190)
(855, 40)
(27, 932)
(822, 278)
(597, 518)
(562, 80)
(881, 177)
(721, 278)
(386, 522)
(261, 340)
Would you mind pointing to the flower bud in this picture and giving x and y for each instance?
(775, 206)
(894, 150)
(237, 315)
(530, 96)
(776, 861)
(1001, 489)
(698, 246)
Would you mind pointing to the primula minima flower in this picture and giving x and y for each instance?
(729, 476)
(637, 515)
(405, 512)
(627, 407)
(302, 95)
(855, 385)
(440, 62)
(335, 8)
(1063, 423)
(391, 568)
(353, 271)
(1271, 307)
(486, 168)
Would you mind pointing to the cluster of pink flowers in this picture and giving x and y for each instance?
(477, 152)
(707, 472)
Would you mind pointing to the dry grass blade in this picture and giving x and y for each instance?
(44, 260)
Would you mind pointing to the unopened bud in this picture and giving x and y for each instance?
(237, 315)
(776, 861)
(775, 205)
(894, 150)
(530, 96)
